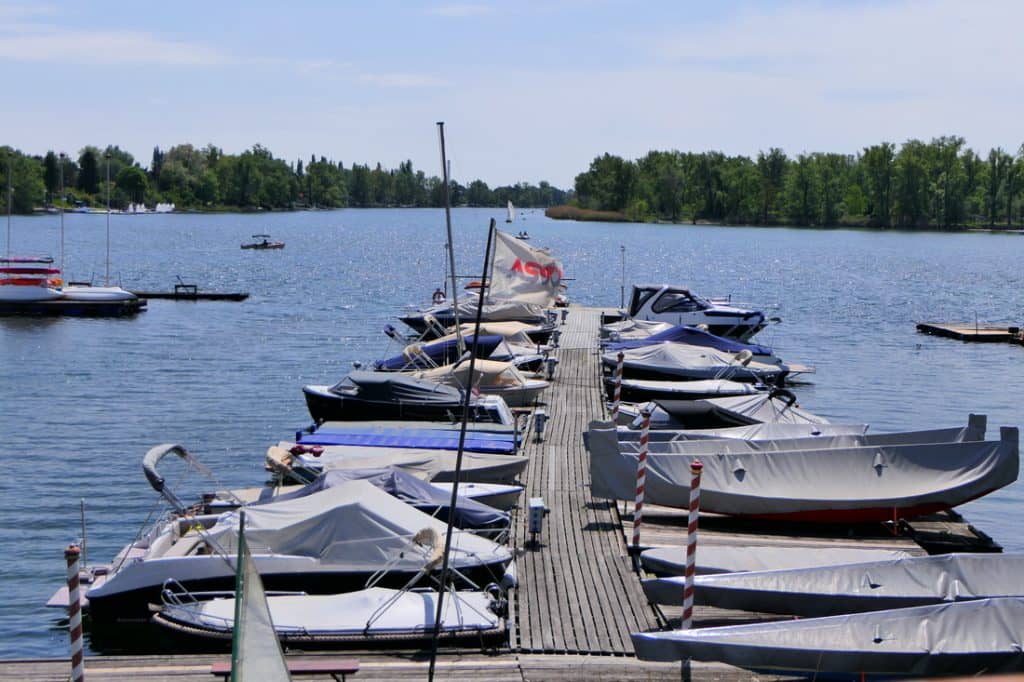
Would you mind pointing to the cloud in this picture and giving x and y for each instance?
(464, 10)
(48, 44)
(403, 80)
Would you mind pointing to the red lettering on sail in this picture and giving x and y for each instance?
(547, 273)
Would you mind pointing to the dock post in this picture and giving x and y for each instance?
(691, 544)
(71, 555)
(616, 400)
(641, 478)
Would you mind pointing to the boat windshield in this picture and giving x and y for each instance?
(679, 301)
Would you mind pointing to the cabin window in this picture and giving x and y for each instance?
(677, 302)
(640, 297)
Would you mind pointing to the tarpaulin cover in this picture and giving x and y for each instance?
(691, 362)
(716, 558)
(829, 484)
(445, 351)
(691, 336)
(756, 408)
(752, 432)
(411, 490)
(430, 439)
(386, 386)
(966, 638)
(355, 525)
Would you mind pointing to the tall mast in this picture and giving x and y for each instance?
(63, 276)
(10, 194)
(451, 250)
(107, 157)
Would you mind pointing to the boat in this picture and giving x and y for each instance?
(817, 591)
(489, 378)
(966, 638)
(33, 286)
(682, 362)
(681, 306)
(263, 241)
(827, 485)
(754, 432)
(523, 234)
(628, 328)
(510, 214)
(28, 279)
(713, 558)
(691, 336)
(775, 406)
(363, 395)
(354, 433)
(437, 466)
(334, 540)
(432, 322)
(646, 390)
(450, 348)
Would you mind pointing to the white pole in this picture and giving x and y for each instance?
(62, 275)
(691, 544)
(641, 478)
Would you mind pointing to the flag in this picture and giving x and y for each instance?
(524, 273)
(256, 652)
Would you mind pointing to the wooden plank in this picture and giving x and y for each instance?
(971, 332)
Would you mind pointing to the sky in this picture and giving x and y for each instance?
(528, 91)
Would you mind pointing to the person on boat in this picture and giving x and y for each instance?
(438, 296)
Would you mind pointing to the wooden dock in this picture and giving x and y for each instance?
(971, 332)
(579, 594)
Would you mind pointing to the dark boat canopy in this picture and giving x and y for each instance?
(694, 337)
(440, 353)
(390, 387)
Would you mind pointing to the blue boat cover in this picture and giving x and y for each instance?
(425, 496)
(441, 353)
(412, 438)
(693, 337)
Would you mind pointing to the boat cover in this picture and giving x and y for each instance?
(752, 432)
(757, 408)
(634, 329)
(431, 465)
(974, 431)
(692, 362)
(854, 587)
(354, 524)
(829, 484)
(444, 351)
(429, 439)
(700, 387)
(391, 387)
(715, 558)
(411, 490)
(693, 337)
(366, 613)
(471, 427)
(967, 638)
(516, 333)
(502, 311)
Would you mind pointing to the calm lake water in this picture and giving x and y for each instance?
(82, 400)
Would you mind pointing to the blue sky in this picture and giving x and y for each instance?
(529, 91)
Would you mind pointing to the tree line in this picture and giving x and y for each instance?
(208, 179)
(938, 184)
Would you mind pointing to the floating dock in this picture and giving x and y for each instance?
(579, 594)
(971, 332)
(190, 292)
(72, 308)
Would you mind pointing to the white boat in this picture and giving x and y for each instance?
(761, 431)
(677, 361)
(680, 306)
(490, 378)
(833, 485)
(718, 558)
(816, 591)
(777, 406)
(28, 279)
(968, 638)
(510, 214)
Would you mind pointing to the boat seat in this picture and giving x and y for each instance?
(334, 667)
(185, 545)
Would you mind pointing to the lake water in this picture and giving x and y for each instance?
(81, 400)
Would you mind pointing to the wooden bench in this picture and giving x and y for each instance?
(334, 667)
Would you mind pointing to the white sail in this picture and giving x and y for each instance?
(511, 212)
(524, 273)
(256, 652)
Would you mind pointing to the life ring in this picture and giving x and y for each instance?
(438, 297)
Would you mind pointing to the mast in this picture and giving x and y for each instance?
(451, 251)
(107, 157)
(62, 275)
(10, 195)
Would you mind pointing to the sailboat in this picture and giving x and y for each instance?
(511, 213)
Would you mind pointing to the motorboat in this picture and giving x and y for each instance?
(334, 540)
(489, 378)
(816, 591)
(765, 431)
(363, 395)
(681, 306)
(434, 321)
(966, 638)
(776, 406)
(449, 349)
(437, 466)
(28, 279)
(34, 286)
(829, 485)
(714, 558)
(358, 434)
(682, 362)
(632, 329)
(646, 390)
(691, 336)
(263, 241)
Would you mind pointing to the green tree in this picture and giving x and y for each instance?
(878, 162)
(133, 182)
(89, 173)
(51, 173)
(772, 167)
(801, 192)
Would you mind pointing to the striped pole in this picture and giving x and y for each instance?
(691, 543)
(71, 555)
(618, 387)
(641, 477)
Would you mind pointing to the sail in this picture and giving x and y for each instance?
(524, 273)
(511, 212)
(256, 652)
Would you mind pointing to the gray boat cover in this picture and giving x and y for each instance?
(693, 362)
(966, 638)
(827, 485)
(500, 311)
(389, 386)
(723, 387)
(431, 465)
(752, 432)
(633, 329)
(715, 558)
(974, 431)
(410, 489)
(854, 587)
(764, 407)
(354, 525)
(366, 613)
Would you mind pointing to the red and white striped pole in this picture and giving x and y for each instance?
(616, 400)
(691, 544)
(71, 555)
(641, 477)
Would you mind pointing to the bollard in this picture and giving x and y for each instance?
(71, 555)
(617, 398)
(540, 418)
(691, 544)
(641, 478)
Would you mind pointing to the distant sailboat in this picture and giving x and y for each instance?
(511, 213)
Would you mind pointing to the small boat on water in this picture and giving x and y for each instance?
(829, 485)
(33, 286)
(966, 638)
(680, 306)
(670, 361)
(718, 558)
(500, 379)
(775, 406)
(816, 591)
(263, 241)
(510, 212)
